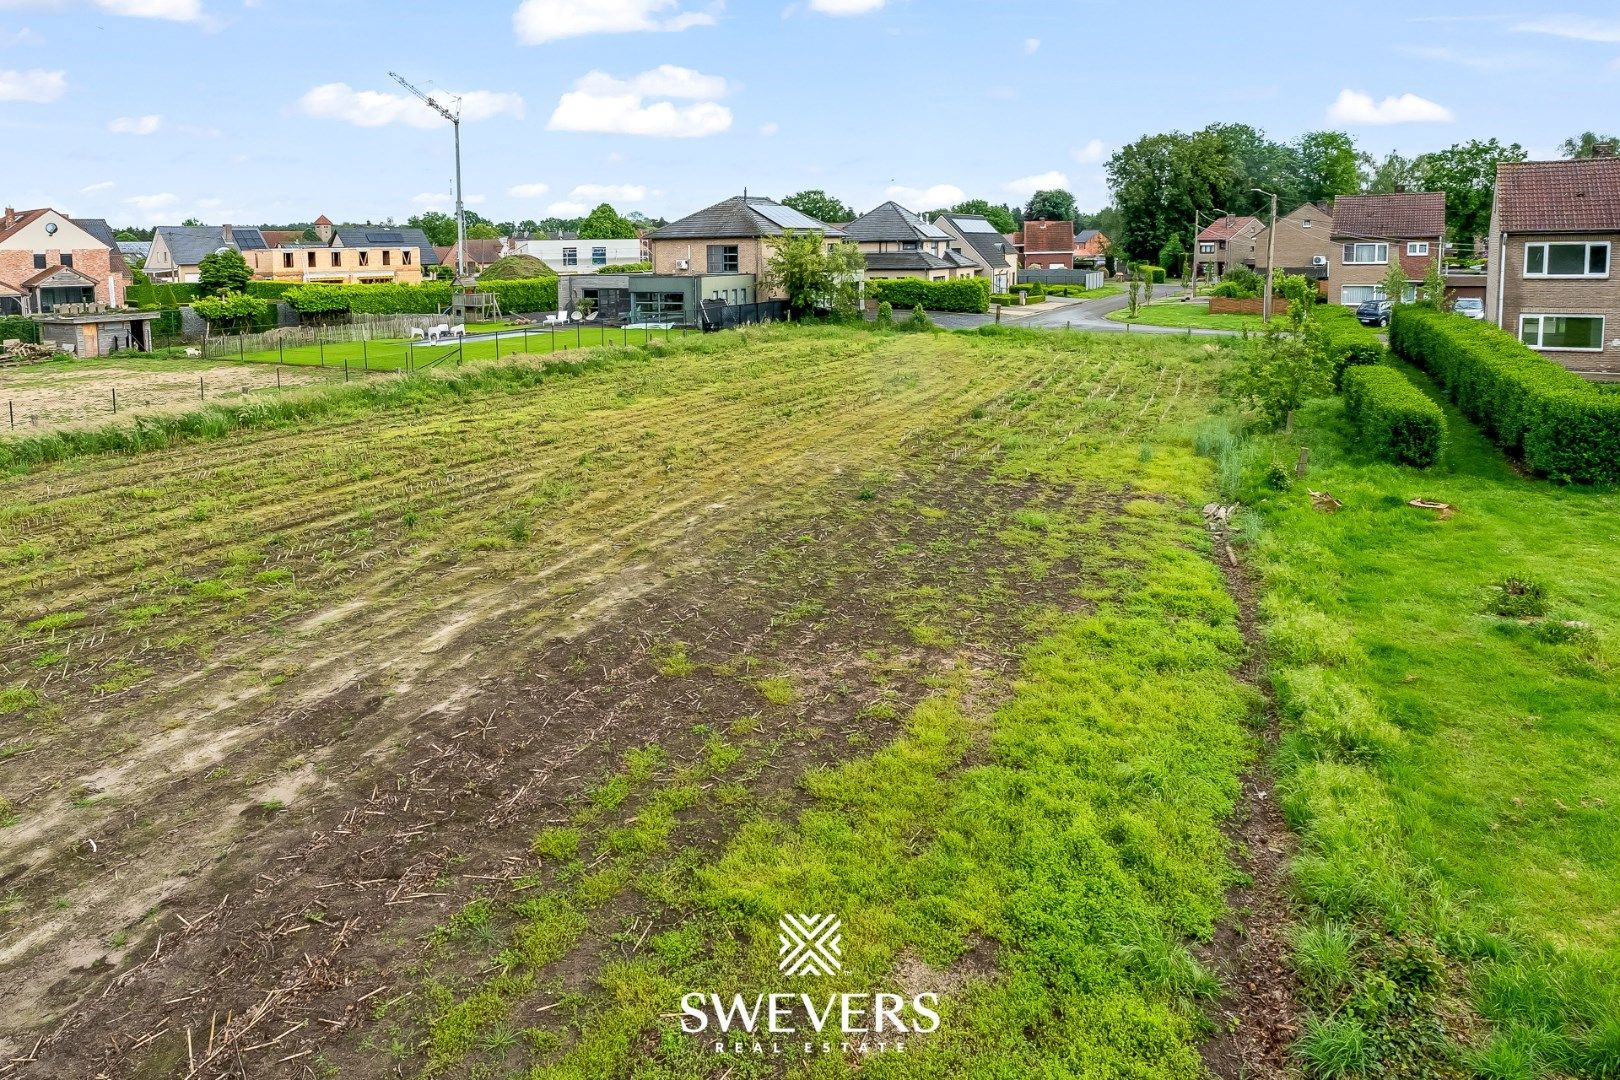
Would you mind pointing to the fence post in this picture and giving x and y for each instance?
(345, 369)
(322, 346)
(365, 352)
(278, 376)
(201, 396)
(578, 340)
(11, 413)
(281, 355)
(241, 349)
(115, 400)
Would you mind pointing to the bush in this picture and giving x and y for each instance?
(429, 298)
(627, 268)
(19, 327)
(1002, 298)
(1562, 425)
(919, 320)
(160, 296)
(1395, 419)
(1241, 283)
(1153, 275)
(963, 294)
(885, 314)
(1357, 354)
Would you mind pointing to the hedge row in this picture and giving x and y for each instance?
(1395, 419)
(19, 327)
(1563, 426)
(963, 294)
(537, 294)
(173, 296)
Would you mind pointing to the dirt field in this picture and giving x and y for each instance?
(392, 743)
(75, 393)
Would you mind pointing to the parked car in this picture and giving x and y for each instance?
(1470, 307)
(1374, 313)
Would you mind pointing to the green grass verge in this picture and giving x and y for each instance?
(1194, 315)
(402, 355)
(1450, 769)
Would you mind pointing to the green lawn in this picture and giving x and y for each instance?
(395, 355)
(1452, 771)
(1194, 315)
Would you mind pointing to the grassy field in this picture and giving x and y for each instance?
(1195, 315)
(1451, 757)
(455, 726)
(403, 355)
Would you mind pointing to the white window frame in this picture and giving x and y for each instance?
(1545, 247)
(1207, 247)
(1376, 293)
(1417, 248)
(1603, 332)
(1377, 260)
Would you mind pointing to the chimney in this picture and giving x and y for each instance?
(228, 236)
(11, 217)
(1603, 149)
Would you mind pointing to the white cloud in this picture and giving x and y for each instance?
(846, 7)
(135, 125)
(172, 10)
(37, 86)
(527, 191)
(1355, 107)
(1046, 181)
(151, 203)
(927, 198)
(91, 189)
(1031, 45)
(602, 103)
(374, 108)
(20, 36)
(1091, 153)
(1578, 27)
(567, 208)
(609, 192)
(538, 21)
(769, 128)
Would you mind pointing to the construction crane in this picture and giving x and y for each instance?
(455, 122)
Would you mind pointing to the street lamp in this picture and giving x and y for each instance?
(1192, 278)
(1271, 249)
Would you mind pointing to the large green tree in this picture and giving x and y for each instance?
(1160, 181)
(606, 223)
(1393, 173)
(1329, 164)
(1051, 205)
(223, 271)
(1006, 219)
(439, 227)
(1587, 144)
(821, 206)
(1466, 172)
(812, 276)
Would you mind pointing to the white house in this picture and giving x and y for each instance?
(581, 256)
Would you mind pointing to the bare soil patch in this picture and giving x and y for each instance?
(68, 394)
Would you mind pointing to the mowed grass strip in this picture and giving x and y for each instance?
(1449, 685)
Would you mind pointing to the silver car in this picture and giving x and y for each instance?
(1471, 307)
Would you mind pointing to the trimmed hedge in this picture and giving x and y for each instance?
(962, 294)
(161, 296)
(20, 327)
(535, 294)
(1563, 426)
(1395, 419)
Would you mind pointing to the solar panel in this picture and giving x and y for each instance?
(785, 216)
(980, 226)
(248, 239)
(385, 238)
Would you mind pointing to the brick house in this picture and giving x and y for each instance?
(1224, 243)
(1046, 245)
(898, 243)
(1091, 244)
(1303, 244)
(993, 255)
(358, 255)
(733, 237)
(48, 258)
(1554, 229)
(1368, 229)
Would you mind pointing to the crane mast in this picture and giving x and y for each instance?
(455, 123)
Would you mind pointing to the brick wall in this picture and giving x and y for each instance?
(17, 267)
(1561, 296)
(1225, 305)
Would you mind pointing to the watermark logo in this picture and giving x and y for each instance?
(810, 944)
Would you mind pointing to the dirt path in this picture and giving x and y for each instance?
(1259, 1016)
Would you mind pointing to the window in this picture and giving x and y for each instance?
(286, 260)
(67, 258)
(365, 258)
(1417, 247)
(1575, 333)
(1365, 254)
(1567, 260)
(1307, 224)
(570, 256)
(1356, 295)
(388, 258)
(724, 259)
(309, 259)
(405, 257)
(910, 245)
(39, 260)
(337, 258)
(1206, 249)
(598, 256)
(657, 307)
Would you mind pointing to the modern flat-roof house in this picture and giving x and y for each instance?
(732, 237)
(1303, 245)
(178, 250)
(1224, 243)
(48, 258)
(1551, 283)
(1369, 229)
(572, 255)
(658, 299)
(1046, 245)
(900, 244)
(994, 256)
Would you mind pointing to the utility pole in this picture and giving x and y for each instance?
(461, 213)
(1271, 251)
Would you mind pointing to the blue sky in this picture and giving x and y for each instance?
(147, 111)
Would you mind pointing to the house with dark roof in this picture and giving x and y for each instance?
(993, 255)
(1224, 243)
(1303, 245)
(48, 259)
(1555, 226)
(346, 255)
(900, 244)
(1371, 230)
(178, 250)
(733, 237)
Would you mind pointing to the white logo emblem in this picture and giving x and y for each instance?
(811, 944)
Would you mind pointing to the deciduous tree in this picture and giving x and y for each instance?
(1466, 172)
(1004, 218)
(1050, 205)
(820, 205)
(1586, 145)
(803, 269)
(606, 223)
(223, 271)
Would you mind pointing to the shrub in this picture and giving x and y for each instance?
(885, 314)
(1241, 283)
(963, 294)
(1153, 275)
(1001, 298)
(19, 327)
(160, 296)
(429, 298)
(627, 268)
(919, 319)
(1563, 426)
(1395, 419)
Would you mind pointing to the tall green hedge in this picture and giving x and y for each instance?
(1395, 419)
(1563, 426)
(160, 296)
(963, 294)
(19, 327)
(535, 294)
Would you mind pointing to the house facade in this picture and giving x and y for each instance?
(1370, 230)
(1555, 232)
(1303, 243)
(736, 236)
(899, 244)
(1091, 244)
(994, 256)
(178, 250)
(1224, 243)
(48, 259)
(1046, 245)
(575, 256)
